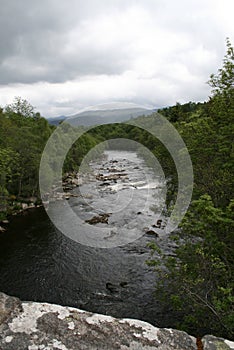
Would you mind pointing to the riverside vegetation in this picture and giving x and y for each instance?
(198, 281)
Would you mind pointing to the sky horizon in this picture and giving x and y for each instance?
(63, 57)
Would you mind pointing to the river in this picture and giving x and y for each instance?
(39, 263)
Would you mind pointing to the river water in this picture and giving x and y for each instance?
(39, 263)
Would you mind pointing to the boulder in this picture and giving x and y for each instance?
(101, 218)
(123, 284)
(152, 233)
(213, 343)
(2, 229)
(113, 288)
(8, 306)
(43, 326)
(112, 177)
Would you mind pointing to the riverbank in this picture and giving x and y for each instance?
(15, 206)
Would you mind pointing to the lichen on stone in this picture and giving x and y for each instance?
(42, 326)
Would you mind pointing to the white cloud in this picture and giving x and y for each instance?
(66, 98)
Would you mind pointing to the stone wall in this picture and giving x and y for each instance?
(42, 326)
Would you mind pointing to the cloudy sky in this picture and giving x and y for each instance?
(65, 55)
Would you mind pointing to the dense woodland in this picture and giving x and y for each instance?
(23, 135)
(197, 282)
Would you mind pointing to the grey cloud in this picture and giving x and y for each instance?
(34, 35)
(165, 53)
(53, 66)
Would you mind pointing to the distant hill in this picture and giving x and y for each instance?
(103, 116)
(56, 121)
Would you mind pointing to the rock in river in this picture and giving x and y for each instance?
(101, 218)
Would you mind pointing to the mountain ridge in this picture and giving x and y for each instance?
(101, 116)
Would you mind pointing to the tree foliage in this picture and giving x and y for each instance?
(20, 107)
(223, 81)
(23, 135)
(198, 280)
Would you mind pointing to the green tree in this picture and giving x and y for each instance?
(21, 107)
(197, 281)
(223, 81)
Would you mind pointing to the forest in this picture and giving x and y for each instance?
(196, 283)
